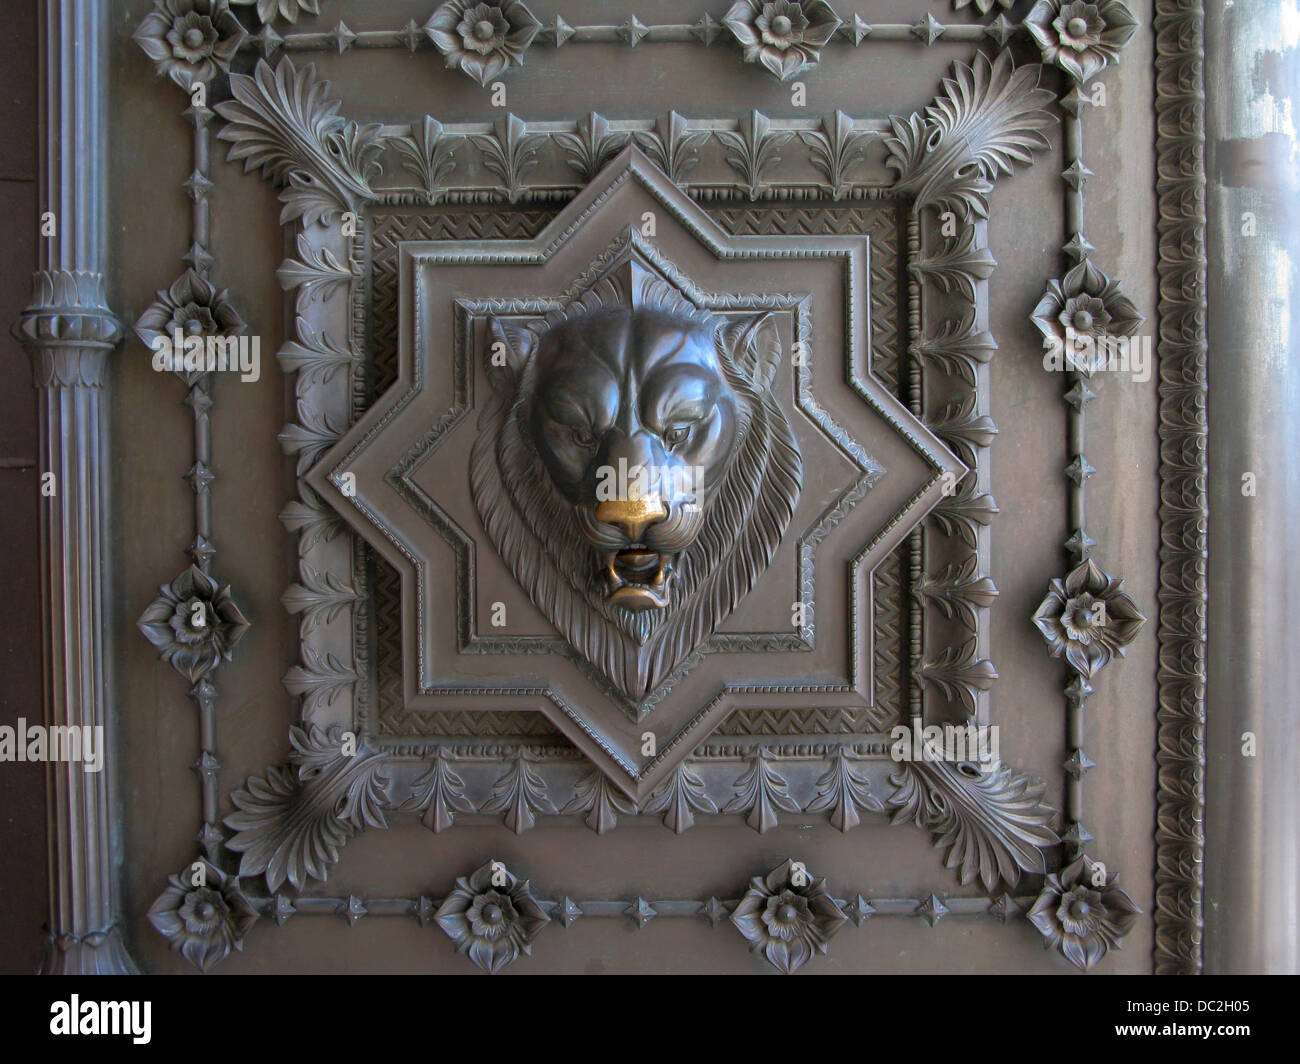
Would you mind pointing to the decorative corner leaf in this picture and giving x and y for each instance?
(988, 117)
(282, 122)
(293, 821)
(992, 822)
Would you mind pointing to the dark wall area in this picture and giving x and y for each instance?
(22, 794)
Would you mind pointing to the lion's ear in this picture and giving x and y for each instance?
(755, 346)
(509, 347)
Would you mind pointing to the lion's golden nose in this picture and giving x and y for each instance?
(632, 516)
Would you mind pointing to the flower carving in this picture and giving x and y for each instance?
(788, 915)
(785, 36)
(482, 39)
(492, 916)
(194, 622)
(286, 9)
(193, 308)
(1079, 37)
(1087, 619)
(1084, 313)
(190, 40)
(1082, 913)
(205, 922)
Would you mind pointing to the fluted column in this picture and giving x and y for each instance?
(69, 332)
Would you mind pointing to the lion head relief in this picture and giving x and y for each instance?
(635, 471)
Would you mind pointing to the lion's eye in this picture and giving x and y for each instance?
(676, 435)
(583, 437)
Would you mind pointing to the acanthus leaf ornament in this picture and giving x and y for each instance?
(753, 149)
(600, 800)
(836, 149)
(679, 798)
(990, 116)
(509, 152)
(520, 794)
(483, 40)
(784, 36)
(844, 791)
(591, 146)
(291, 823)
(427, 153)
(319, 680)
(788, 915)
(993, 823)
(762, 791)
(440, 794)
(672, 146)
(492, 917)
(282, 122)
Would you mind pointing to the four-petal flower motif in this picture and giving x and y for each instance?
(204, 922)
(194, 622)
(1082, 913)
(192, 308)
(1087, 618)
(492, 916)
(190, 40)
(785, 36)
(1080, 37)
(1083, 313)
(482, 39)
(788, 915)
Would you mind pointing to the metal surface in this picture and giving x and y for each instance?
(847, 251)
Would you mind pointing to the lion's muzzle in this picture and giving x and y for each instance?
(638, 541)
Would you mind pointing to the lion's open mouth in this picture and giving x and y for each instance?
(637, 578)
